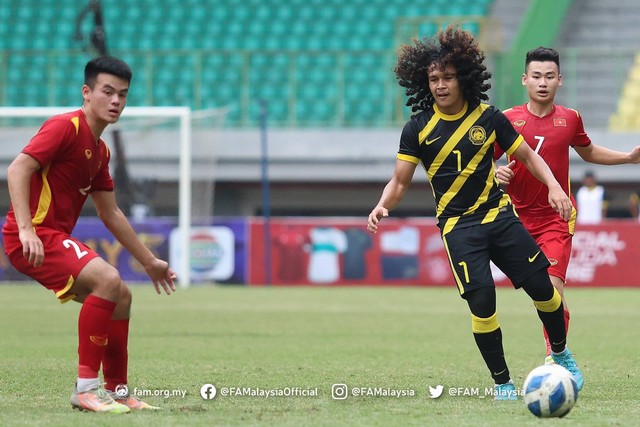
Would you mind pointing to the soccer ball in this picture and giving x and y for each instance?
(550, 391)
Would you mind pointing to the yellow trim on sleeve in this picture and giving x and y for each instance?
(519, 140)
(408, 158)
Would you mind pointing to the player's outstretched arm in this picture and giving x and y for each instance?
(604, 156)
(392, 194)
(558, 199)
(114, 219)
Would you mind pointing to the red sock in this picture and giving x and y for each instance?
(93, 324)
(115, 359)
(567, 316)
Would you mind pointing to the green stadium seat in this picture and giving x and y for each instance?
(427, 29)
(13, 95)
(333, 50)
(471, 27)
(5, 14)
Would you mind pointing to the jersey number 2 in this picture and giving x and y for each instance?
(79, 253)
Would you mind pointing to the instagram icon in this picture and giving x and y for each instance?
(339, 391)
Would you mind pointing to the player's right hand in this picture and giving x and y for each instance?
(161, 275)
(375, 216)
(560, 202)
(32, 247)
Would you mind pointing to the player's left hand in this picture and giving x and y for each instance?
(505, 173)
(162, 276)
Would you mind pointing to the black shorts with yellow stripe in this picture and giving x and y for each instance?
(505, 242)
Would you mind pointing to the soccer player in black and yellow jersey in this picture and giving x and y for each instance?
(452, 136)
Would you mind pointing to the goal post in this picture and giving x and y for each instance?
(155, 115)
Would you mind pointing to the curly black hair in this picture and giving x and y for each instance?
(453, 46)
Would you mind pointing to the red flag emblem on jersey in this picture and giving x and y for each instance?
(560, 121)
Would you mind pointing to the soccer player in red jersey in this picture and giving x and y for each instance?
(49, 182)
(550, 130)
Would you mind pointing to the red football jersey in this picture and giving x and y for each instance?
(72, 164)
(551, 137)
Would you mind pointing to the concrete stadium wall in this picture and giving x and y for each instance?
(311, 170)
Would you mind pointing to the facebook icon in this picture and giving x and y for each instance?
(208, 391)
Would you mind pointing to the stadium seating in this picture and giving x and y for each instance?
(315, 61)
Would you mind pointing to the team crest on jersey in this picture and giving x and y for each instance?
(88, 153)
(477, 135)
(560, 121)
(519, 123)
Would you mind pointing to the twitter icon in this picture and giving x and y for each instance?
(435, 392)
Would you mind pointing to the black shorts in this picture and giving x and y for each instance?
(505, 242)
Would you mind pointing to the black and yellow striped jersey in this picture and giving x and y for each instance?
(456, 152)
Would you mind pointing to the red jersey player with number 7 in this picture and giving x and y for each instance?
(550, 130)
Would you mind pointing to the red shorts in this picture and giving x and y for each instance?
(554, 236)
(64, 258)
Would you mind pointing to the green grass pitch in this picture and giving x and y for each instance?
(312, 338)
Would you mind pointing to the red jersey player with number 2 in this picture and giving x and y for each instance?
(550, 130)
(49, 182)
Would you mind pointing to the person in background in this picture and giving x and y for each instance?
(591, 201)
(634, 205)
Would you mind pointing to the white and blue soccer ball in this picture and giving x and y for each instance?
(550, 391)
